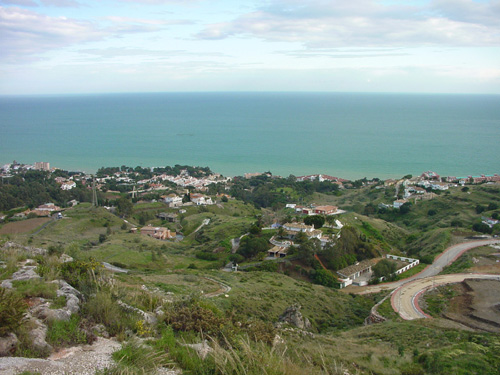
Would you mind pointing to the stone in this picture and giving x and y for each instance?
(293, 316)
(25, 273)
(203, 348)
(38, 336)
(100, 330)
(8, 345)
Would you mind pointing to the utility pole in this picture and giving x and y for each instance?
(94, 193)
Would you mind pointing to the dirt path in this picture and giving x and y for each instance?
(222, 290)
(81, 360)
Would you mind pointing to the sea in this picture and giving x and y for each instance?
(347, 135)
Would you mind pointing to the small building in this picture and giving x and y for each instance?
(294, 228)
(68, 185)
(278, 252)
(325, 210)
(201, 200)
(489, 221)
(398, 203)
(439, 186)
(355, 271)
(173, 200)
(168, 216)
(48, 207)
(160, 233)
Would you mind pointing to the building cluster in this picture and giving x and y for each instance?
(423, 187)
(321, 178)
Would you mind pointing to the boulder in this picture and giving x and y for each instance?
(38, 336)
(8, 345)
(293, 316)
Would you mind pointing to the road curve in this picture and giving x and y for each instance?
(404, 300)
(447, 257)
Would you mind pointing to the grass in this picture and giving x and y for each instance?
(438, 299)
(35, 288)
(385, 309)
(66, 333)
(265, 296)
(136, 358)
(412, 271)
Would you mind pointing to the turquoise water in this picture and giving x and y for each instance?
(345, 135)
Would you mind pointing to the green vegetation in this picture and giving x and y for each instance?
(66, 333)
(437, 300)
(12, 310)
(235, 312)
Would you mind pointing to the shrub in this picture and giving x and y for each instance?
(482, 228)
(64, 333)
(102, 309)
(12, 310)
(191, 316)
(134, 358)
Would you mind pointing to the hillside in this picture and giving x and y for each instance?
(169, 293)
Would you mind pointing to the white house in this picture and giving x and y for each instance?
(173, 200)
(68, 185)
(200, 199)
(398, 203)
(294, 228)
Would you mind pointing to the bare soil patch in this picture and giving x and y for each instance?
(23, 226)
(477, 306)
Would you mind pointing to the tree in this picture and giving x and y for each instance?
(492, 206)
(250, 246)
(124, 206)
(405, 208)
(384, 268)
(323, 277)
(317, 220)
(482, 228)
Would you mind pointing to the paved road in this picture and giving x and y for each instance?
(404, 300)
(447, 257)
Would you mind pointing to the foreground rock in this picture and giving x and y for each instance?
(84, 360)
(8, 345)
(293, 316)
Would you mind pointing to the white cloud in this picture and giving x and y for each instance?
(26, 33)
(53, 3)
(366, 23)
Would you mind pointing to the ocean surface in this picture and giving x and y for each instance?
(340, 134)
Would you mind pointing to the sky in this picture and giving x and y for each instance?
(109, 46)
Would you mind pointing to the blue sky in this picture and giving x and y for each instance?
(76, 46)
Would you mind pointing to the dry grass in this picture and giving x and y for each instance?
(23, 226)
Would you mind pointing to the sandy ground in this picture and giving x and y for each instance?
(478, 306)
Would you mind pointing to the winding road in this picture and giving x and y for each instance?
(404, 300)
(405, 293)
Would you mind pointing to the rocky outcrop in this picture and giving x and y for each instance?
(44, 312)
(38, 336)
(8, 345)
(27, 249)
(149, 318)
(293, 316)
(25, 273)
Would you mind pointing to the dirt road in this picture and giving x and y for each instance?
(447, 257)
(404, 300)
